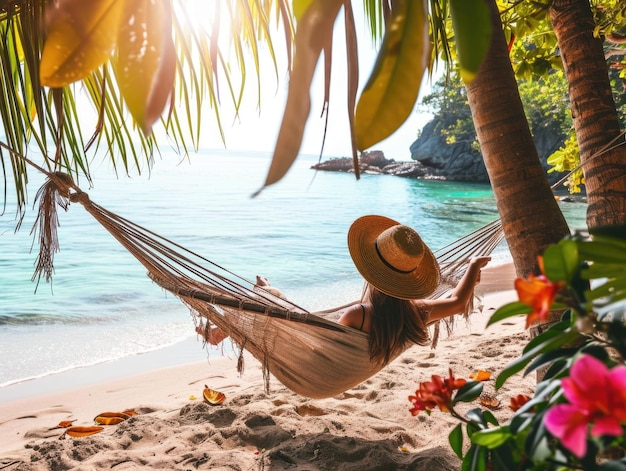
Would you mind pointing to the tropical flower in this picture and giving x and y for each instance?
(597, 397)
(518, 401)
(538, 292)
(435, 393)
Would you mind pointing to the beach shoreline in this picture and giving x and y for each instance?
(363, 428)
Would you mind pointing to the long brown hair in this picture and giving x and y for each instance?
(395, 322)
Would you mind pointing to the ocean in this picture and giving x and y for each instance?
(101, 306)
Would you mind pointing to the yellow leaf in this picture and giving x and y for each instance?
(299, 7)
(314, 32)
(390, 94)
(145, 65)
(480, 375)
(80, 37)
(213, 397)
(111, 418)
(82, 431)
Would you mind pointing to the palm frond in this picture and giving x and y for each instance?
(71, 124)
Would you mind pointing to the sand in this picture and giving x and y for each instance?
(366, 428)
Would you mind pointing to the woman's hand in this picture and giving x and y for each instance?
(476, 264)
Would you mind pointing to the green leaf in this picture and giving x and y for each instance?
(513, 309)
(81, 36)
(553, 331)
(146, 61)
(520, 422)
(478, 458)
(614, 290)
(614, 232)
(551, 344)
(492, 438)
(389, 96)
(490, 418)
(603, 251)
(561, 261)
(470, 391)
(549, 358)
(456, 440)
(478, 421)
(471, 22)
(613, 465)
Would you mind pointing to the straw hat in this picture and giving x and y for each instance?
(393, 257)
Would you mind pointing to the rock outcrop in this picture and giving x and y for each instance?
(434, 158)
(461, 162)
(374, 162)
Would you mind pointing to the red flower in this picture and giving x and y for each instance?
(518, 401)
(435, 393)
(538, 292)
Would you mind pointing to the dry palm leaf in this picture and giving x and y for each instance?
(489, 401)
(111, 418)
(213, 397)
(81, 431)
(64, 424)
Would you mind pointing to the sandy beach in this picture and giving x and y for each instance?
(366, 428)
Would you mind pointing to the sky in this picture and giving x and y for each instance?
(257, 129)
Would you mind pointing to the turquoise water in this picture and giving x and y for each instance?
(100, 305)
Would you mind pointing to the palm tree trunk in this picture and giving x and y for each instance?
(595, 116)
(531, 217)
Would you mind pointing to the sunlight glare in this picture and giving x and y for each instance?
(200, 15)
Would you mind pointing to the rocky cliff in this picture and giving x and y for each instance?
(434, 158)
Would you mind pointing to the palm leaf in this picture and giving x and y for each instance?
(71, 123)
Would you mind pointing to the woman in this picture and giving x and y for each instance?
(401, 272)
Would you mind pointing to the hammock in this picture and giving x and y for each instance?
(306, 351)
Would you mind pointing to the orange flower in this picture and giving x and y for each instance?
(518, 401)
(435, 393)
(538, 292)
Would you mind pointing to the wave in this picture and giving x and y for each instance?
(33, 319)
(89, 363)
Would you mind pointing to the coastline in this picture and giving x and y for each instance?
(175, 429)
(189, 350)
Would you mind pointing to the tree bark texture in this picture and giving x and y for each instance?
(593, 109)
(531, 217)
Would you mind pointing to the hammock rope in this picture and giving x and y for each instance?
(308, 352)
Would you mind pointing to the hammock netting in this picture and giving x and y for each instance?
(308, 352)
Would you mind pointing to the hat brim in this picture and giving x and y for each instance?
(417, 284)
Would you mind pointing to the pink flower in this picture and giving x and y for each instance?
(597, 397)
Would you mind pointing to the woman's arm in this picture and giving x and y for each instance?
(461, 295)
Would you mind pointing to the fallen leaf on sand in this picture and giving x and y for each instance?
(65, 423)
(489, 401)
(480, 375)
(81, 431)
(111, 418)
(213, 397)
